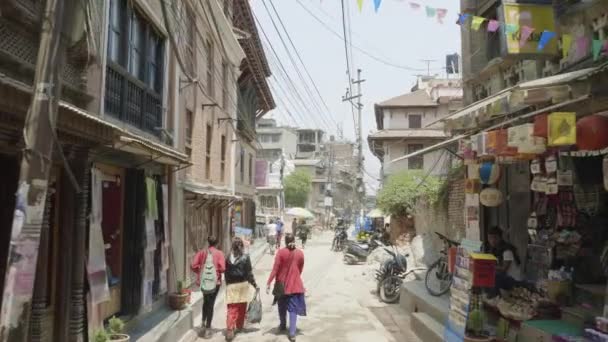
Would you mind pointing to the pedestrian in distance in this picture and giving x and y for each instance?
(294, 227)
(271, 235)
(239, 278)
(288, 288)
(280, 229)
(209, 278)
(303, 231)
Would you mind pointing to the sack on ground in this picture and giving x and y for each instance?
(254, 311)
(208, 275)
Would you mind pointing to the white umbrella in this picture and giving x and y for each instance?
(376, 213)
(300, 212)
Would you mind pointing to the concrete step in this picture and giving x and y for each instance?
(426, 328)
(415, 298)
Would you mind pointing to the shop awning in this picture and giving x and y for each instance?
(553, 89)
(150, 149)
(209, 191)
(129, 142)
(506, 123)
(432, 148)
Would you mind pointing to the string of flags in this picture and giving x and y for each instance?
(581, 44)
(525, 32)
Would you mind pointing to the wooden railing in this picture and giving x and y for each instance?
(132, 101)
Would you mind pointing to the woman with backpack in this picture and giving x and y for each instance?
(288, 288)
(239, 275)
(209, 278)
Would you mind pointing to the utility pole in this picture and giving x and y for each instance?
(40, 124)
(329, 200)
(282, 192)
(428, 65)
(349, 97)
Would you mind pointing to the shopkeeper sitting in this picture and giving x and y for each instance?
(508, 268)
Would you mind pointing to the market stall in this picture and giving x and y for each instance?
(537, 177)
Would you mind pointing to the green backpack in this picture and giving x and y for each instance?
(208, 275)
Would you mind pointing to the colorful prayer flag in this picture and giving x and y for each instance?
(525, 32)
(476, 23)
(462, 18)
(430, 11)
(377, 4)
(582, 47)
(545, 38)
(511, 28)
(360, 5)
(566, 44)
(493, 25)
(441, 13)
(596, 47)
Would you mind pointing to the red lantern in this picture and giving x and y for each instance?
(592, 132)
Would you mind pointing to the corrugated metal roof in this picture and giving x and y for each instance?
(418, 98)
(408, 133)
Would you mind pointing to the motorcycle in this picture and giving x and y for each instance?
(357, 252)
(339, 239)
(390, 276)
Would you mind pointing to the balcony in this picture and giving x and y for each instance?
(130, 100)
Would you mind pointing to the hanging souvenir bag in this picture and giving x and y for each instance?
(561, 129)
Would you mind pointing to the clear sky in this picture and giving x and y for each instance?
(396, 34)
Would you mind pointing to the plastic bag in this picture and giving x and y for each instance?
(254, 311)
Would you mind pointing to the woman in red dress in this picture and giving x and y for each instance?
(287, 270)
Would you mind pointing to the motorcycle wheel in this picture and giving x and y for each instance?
(349, 260)
(438, 274)
(390, 289)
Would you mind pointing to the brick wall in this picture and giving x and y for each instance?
(455, 207)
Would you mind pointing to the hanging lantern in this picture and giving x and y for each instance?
(592, 133)
(490, 197)
(562, 129)
(489, 173)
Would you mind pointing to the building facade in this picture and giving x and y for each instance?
(276, 141)
(411, 122)
(158, 100)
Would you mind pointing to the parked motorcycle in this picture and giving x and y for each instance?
(340, 237)
(357, 252)
(390, 276)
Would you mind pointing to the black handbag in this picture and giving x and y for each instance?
(279, 287)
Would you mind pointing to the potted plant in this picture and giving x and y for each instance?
(179, 298)
(114, 332)
(115, 328)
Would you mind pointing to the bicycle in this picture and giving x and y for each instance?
(439, 273)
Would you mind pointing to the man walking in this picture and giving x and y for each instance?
(209, 277)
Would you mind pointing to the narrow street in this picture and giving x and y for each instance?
(339, 302)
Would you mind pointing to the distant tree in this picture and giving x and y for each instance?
(403, 189)
(297, 186)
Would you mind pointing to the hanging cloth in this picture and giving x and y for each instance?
(96, 261)
(151, 202)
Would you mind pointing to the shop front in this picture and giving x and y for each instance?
(536, 201)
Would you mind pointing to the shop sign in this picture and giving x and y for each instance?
(525, 16)
(490, 197)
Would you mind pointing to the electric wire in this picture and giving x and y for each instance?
(297, 69)
(300, 58)
(282, 68)
(358, 48)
